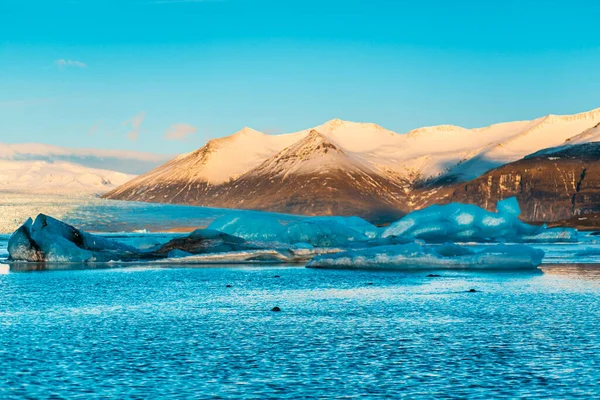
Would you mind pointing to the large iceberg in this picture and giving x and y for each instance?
(263, 228)
(332, 242)
(48, 239)
(418, 256)
(458, 222)
(453, 222)
(316, 231)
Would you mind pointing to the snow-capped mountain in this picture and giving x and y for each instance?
(314, 176)
(249, 169)
(553, 184)
(42, 177)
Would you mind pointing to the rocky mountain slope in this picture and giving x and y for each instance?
(343, 167)
(551, 185)
(313, 176)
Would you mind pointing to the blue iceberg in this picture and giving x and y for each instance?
(459, 222)
(49, 240)
(316, 231)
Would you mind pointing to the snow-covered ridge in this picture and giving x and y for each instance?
(419, 155)
(57, 178)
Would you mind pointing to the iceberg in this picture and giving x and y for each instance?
(355, 223)
(322, 233)
(323, 242)
(417, 256)
(261, 228)
(316, 231)
(459, 222)
(553, 235)
(49, 240)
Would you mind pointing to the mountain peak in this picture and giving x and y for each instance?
(337, 123)
(313, 144)
(247, 131)
(334, 123)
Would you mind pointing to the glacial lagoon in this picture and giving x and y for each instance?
(152, 330)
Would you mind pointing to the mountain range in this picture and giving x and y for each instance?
(363, 169)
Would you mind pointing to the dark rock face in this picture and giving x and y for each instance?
(203, 241)
(332, 193)
(557, 184)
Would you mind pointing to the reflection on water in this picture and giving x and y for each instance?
(583, 271)
(4, 269)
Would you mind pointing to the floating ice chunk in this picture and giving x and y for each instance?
(509, 206)
(316, 231)
(262, 228)
(322, 233)
(356, 223)
(467, 222)
(236, 257)
(553, 235)
(47, 239)
(50, 240)
(415, 256)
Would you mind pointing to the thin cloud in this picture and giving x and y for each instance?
(62, 63)
(180, 132)
(135, 122)
(93, 130)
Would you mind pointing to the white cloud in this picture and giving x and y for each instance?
(136, 123)
(62, 63)
(180, 131)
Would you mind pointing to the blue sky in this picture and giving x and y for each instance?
(165, 76)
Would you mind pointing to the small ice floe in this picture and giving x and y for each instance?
(235, 257)
(418, 256)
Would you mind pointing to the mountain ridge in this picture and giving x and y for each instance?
(363, 160)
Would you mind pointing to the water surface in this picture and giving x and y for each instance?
(160, 332)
